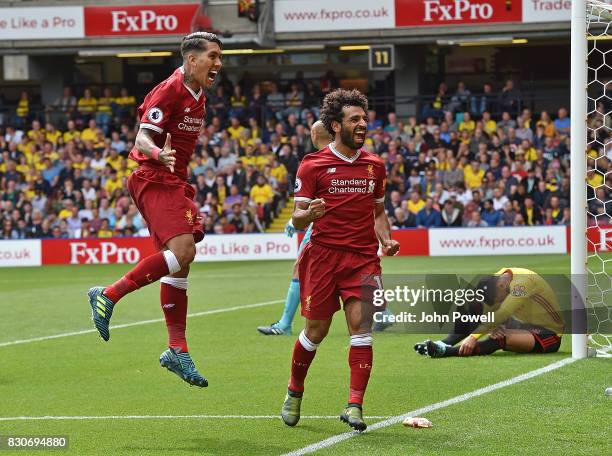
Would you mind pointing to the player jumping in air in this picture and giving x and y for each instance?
(320, 139)
(342, 190)
(527, 319)
(170, 120)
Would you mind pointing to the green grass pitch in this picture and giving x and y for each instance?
(561, 412)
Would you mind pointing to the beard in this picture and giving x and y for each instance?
(348, 139)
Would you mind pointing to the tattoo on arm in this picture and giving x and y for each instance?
(144, 142)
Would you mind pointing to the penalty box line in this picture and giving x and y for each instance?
(139, 323)
(430, 408)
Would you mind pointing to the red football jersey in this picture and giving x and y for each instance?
(349, 187)
(172, 107)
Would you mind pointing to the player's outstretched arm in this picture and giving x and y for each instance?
(144, 144)
(306, 213)
(383, 231)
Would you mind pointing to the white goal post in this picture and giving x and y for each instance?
(591, 40)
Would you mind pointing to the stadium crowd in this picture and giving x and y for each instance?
(63, 171)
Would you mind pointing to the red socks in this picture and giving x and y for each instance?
(360, 362)
(303, 353)
(147, 271)
(173, 297)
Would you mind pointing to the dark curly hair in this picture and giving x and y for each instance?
(335, 101)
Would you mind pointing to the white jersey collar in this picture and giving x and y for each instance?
(343, 157)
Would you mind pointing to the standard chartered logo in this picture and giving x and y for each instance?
(352, 186)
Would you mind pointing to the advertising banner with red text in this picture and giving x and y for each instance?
(410, 13)
(146, 19)
(497, 240)
(20, 253)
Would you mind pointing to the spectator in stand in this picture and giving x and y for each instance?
(510, 98)
(294, 100)
(450, 215)
(263, 196)
(476, 221)
(489, 125)
(556, 210)
(461, 98)
(485, 102)
(125, 105)
(437, 106)
(104, 112)
(531, 213)
(506, 122)
(416, 203)
(428, 217)
(403, 219)
(238, 103)
(62, 108)
(491, 216)
(275, 102)
(473, 175)
(86, 107)
(563, 123)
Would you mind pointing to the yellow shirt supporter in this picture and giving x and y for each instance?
(53, 137)
(235, 132)
(70, 135)
(490, 127)
(105, 104)
(110, 186)
(262, 160)
(595, 180)
(279, 173)
(23, 169)
(531, 301)
(114, 162)
(246, 161)
(87, 105)
(470, 126)
(531, 154)
(89, 134)
(64, 213)
(262, 195)
(105, 233)
(473, 179)
(36, 135)
(416, 207)
(23, 108)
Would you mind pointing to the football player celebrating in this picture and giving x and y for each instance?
(170, 120)
(527, 319)
(341, 190)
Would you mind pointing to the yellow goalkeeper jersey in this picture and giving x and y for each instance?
(531, 301)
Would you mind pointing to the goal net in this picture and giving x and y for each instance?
(598, 176)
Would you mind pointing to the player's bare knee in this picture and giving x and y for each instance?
(316, 334)
(185, 254)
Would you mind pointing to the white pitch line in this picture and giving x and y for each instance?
(139, 323)
(430, 408)
(164, 417)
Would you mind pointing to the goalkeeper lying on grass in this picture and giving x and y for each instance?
(527, 319)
